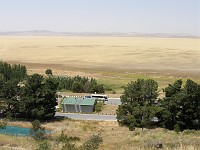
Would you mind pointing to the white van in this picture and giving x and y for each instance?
(99, 96)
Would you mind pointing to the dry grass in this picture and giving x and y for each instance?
(109, 109)
(112, 52)
(114, 61)
(114, 136)
(125, 52)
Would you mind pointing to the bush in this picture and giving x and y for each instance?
(3, 123)
(177, 128)
(131, 127)
(93, 143)
(44, 146)
(99, 106)
(37, 131)
(114, 92)
(49, 72)
(67, 143)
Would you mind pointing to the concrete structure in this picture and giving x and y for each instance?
(78, 104)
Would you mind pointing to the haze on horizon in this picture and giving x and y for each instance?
(106, 16)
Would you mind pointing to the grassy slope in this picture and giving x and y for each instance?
(114, 136)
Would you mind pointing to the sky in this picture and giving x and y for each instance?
(106, 16)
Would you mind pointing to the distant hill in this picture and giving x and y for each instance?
(113, 34)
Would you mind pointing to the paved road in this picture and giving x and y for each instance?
(87, 116)
(113, 101)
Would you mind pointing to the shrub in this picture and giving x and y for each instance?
(44, 146)
(99, 106)
(37, 131)
(93, 143)
(48, 72)
(131, 127)
(177, 128)
(67, 143)
(114, 92)
(3, 123)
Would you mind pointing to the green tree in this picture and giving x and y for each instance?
(77, 87)
(181, 106)
(49, 72)
(191, 107)
(11, 96)
(39, 98)
(138, 104)
(98, 89)
(171, 105)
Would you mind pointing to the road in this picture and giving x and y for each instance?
(113, 101)
(87, 116)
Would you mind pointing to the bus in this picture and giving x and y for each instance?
(99, 96)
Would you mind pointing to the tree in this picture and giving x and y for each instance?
(98, 89)
(49, 72)
(39, 98)
(11, 96)
(77, 87)
(138, 104)
(191, 108)
(181, 106)
(171, 105)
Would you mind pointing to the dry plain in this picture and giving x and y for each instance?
(115, 61)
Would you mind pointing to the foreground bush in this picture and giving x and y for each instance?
(37, 131)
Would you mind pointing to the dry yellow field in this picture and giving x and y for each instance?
(115, 61)
(111, 52)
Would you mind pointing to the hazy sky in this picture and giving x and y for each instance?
(145, 16)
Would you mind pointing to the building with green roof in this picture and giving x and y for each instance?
(78, 104)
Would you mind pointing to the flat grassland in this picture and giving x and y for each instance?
(114, 61)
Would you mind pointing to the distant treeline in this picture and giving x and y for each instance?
(79, 84)
(12, 72)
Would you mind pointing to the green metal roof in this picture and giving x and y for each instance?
(78, 101)
(69, 101)
(87, 101)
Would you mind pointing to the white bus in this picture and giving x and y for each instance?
(99, 96)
